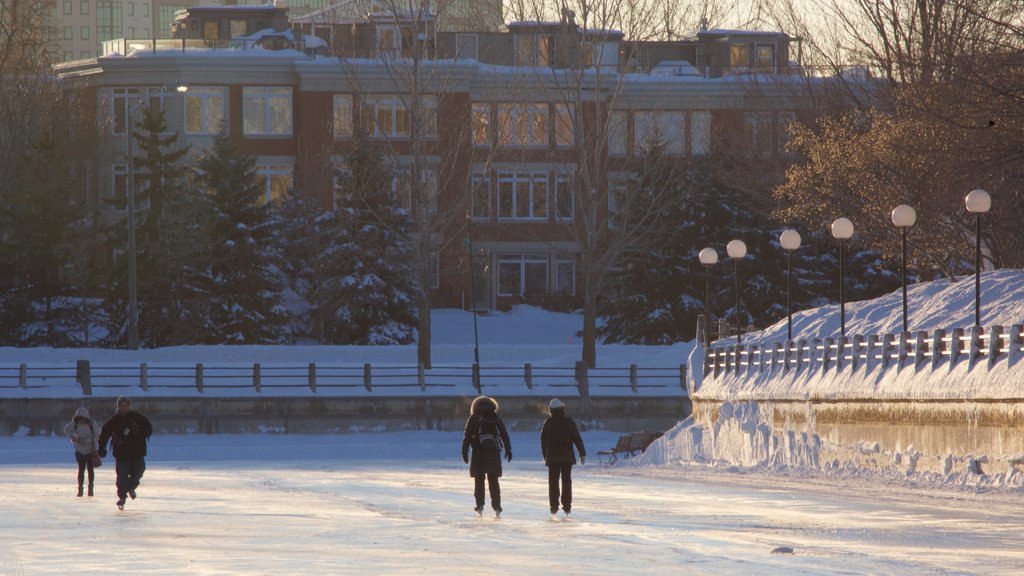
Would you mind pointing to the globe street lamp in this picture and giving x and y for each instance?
(790, 241)
(133, 287)
(708, 257)
(842, 230)
(737, 250)
(903, 217)
(978, 202)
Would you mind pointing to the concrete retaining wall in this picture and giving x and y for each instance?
(45, 416)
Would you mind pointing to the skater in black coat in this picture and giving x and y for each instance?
(558, 435)
(487, 435)
(128, 432)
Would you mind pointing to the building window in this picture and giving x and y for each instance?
(700, 133)
(238, 28)
(83, 7)
(67, 8)
(659, 128)
(526, 50)
(342, 116)
(759, 126)
(389, 42)
(481, 124)
(120, 103)
(118, 198)
(565, 132)
(616, 202)
(524, 125)
(522, 196)
(480, 197)
(204, 110)
(565, 275)
(617, 133)
(565, 197)
(277, 181)
(68, 56)
(109, 24)
(84, 54)
(266, 111)
(69, 33)
(131, 8)
(466, 46)
(84, 32)
(739, 55)
(522, 274)
(764, 56)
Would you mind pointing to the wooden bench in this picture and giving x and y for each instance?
(628, 445)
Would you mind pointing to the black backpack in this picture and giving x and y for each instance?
(487, 433)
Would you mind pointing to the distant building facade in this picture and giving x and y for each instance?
(494, 142)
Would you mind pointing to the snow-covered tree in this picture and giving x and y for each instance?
(245, 296)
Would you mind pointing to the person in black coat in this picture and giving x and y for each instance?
(558, 435)
(128, 432)
(486, 433)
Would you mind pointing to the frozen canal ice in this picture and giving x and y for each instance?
(401, 503)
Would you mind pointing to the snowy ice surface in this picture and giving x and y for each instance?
(401, 503)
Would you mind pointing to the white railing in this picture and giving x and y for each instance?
(873, 352)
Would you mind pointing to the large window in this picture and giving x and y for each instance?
(565, 199)
(700, 133)
(565, 275)
(481, 124)
(522, 274)
(466, 46)
(204, 109)
(480, 197)
(342, 116)
(664, 128)
(523, 125)
(565, 132)
(388, 116)
(277, 181)
(764, 56)
(108, 19)
(522, 196)
(739, 55)
(120, 103)
(266, 111)
(118, 197)
(759, 126)
(617, 133)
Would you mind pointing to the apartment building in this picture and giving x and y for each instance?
(488, 142)
(80, 27)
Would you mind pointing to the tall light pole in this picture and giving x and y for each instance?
(737, 250)
(978, 203)
(842, 230)
(790, 241)
(903, 217)
(708, 257)
(472, 302)
(133, 281)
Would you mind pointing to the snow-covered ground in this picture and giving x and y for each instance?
(401, 503)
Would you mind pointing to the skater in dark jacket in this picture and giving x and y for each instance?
(558, 435)
(83, 434)
(486, 433)
(128, 432)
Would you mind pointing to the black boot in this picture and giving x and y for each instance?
(90, 489)
(79, 490)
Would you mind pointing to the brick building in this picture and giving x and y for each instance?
(479, 127)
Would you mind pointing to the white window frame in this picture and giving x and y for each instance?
(267, 111)
(569, 261)
(618, 124)
(342, 119)
(523, 125)
(481, 118)
(667, 126)
(518, 184)
(273, 173)
(391, 107)
(522, 262)
(121, 102)
(212, 106)
(700, 133)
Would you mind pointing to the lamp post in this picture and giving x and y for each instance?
(133, 288)
(472, 303)
(737, 250)
(903, 217)
(978, 202)
(708, 257)
(842, 230)
(790, 241)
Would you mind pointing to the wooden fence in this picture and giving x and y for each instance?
(114, 378)
(874, 352)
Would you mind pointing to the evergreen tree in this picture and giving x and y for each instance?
(375, 302)
(173, 240)
(43, 215)
(245, 295)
